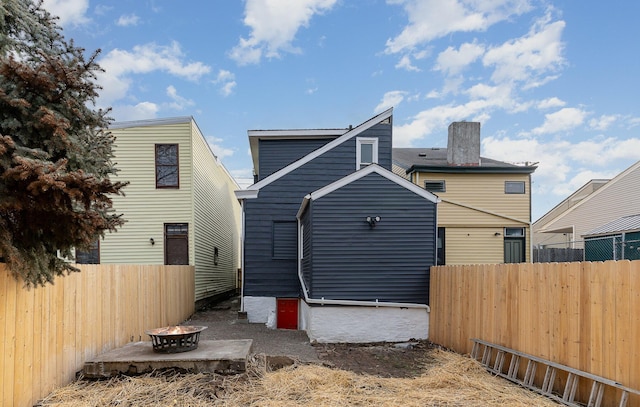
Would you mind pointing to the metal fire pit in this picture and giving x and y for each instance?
(175, 339)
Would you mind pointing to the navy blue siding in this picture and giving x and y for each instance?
(277, 154)
(390, 262)
(281, 200)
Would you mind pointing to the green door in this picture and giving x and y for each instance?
(514, 250)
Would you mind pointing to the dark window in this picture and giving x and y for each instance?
(440, 248)
(176, 240)
(92, 256)
(435, 186)
(215, 256)
(285, 240)
(514, 232)
(167, 166)
(514, 187)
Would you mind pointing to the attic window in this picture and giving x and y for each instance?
(435, 186)
(366, 152)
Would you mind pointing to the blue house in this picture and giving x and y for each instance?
(333, 242)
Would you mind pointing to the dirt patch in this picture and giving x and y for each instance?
(449, 380)
(401, 360)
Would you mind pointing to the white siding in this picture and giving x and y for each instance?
(146, 208)
(619, 197)
(205, 200)
(216, 222)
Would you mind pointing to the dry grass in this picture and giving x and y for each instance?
(452, 380)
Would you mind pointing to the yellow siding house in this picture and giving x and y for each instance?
(180, 205)
(485, 210)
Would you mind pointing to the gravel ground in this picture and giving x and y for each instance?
(222, 322)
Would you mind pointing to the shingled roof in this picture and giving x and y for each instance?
(434, 159)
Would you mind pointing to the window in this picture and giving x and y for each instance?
(215, 256)
(285, 240)
(514, 187)
(435, 186)
(176, 243)
(92, 256)
(366, 152)
(514, 232)
(167, 166)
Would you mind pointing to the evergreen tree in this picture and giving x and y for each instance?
(55, 154)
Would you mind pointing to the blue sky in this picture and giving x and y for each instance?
(553, 82)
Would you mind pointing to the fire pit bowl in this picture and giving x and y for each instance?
(175, 339)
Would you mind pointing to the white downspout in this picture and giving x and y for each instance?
(323, 301)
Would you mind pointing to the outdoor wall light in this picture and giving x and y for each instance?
(497, 234)
(152, 241)
(372, 220)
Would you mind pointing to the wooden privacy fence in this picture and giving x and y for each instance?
(584, 315)
(48, 333)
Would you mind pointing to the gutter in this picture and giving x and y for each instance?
(323, 301)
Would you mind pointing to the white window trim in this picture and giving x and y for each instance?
(366, 140)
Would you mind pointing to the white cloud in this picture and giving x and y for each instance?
(390, 99)
(530, 59)
(128, 20)
(563, 120)
(405, 63)
(179, 103)
(431, 19)
(220, 151)
(274, 24)
(140, 111)
(71, 12)
(436, 118)
(452, 61)
(550, 103)
(102, 9)
(120, 65)
(226, 80)
(603, 122)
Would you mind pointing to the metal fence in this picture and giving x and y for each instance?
(611, 248)
(615, 247)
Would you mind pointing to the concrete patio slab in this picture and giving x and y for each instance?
(219, 356)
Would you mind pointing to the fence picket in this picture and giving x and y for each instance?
(49, 332)
(589, 321)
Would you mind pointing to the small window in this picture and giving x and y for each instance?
(92, 256)
(514, 187)
(366, 152)
(285, 240)
(435, 186)
(215, 256)
(514, 232)
(167, 166)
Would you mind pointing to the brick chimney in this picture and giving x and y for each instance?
(463, 147)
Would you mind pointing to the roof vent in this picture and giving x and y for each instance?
(422, 154)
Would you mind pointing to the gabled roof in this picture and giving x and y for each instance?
(362, 173)
(548, 227)
(252, 191)
(434, 159)
(580, 194)
(624, 224)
